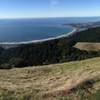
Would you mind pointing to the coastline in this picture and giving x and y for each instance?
(42, 40)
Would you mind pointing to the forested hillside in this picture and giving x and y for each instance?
(49, 52)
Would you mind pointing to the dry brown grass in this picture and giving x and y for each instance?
(50, 82)
(88, 46)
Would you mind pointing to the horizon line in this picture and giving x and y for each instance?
(48, 17)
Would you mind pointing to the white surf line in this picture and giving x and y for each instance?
(42, 40)
(75, 30)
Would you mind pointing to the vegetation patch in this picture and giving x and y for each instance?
(77, 80)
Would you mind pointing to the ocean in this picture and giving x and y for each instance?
(23, 30)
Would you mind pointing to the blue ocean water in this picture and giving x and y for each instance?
(22, 30)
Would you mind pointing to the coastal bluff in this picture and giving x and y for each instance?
(49, 52)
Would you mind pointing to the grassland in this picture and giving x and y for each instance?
(75, 80)
(79, 80)
(88, 46)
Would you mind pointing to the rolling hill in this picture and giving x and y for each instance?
(77, 80)
(88, 46)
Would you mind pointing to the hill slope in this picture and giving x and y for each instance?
(67, 81)
(88, 46)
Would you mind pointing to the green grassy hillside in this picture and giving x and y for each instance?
(78, 80)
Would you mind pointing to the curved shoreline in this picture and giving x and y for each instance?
(41, 40)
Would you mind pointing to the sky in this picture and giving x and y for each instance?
(48, 8)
